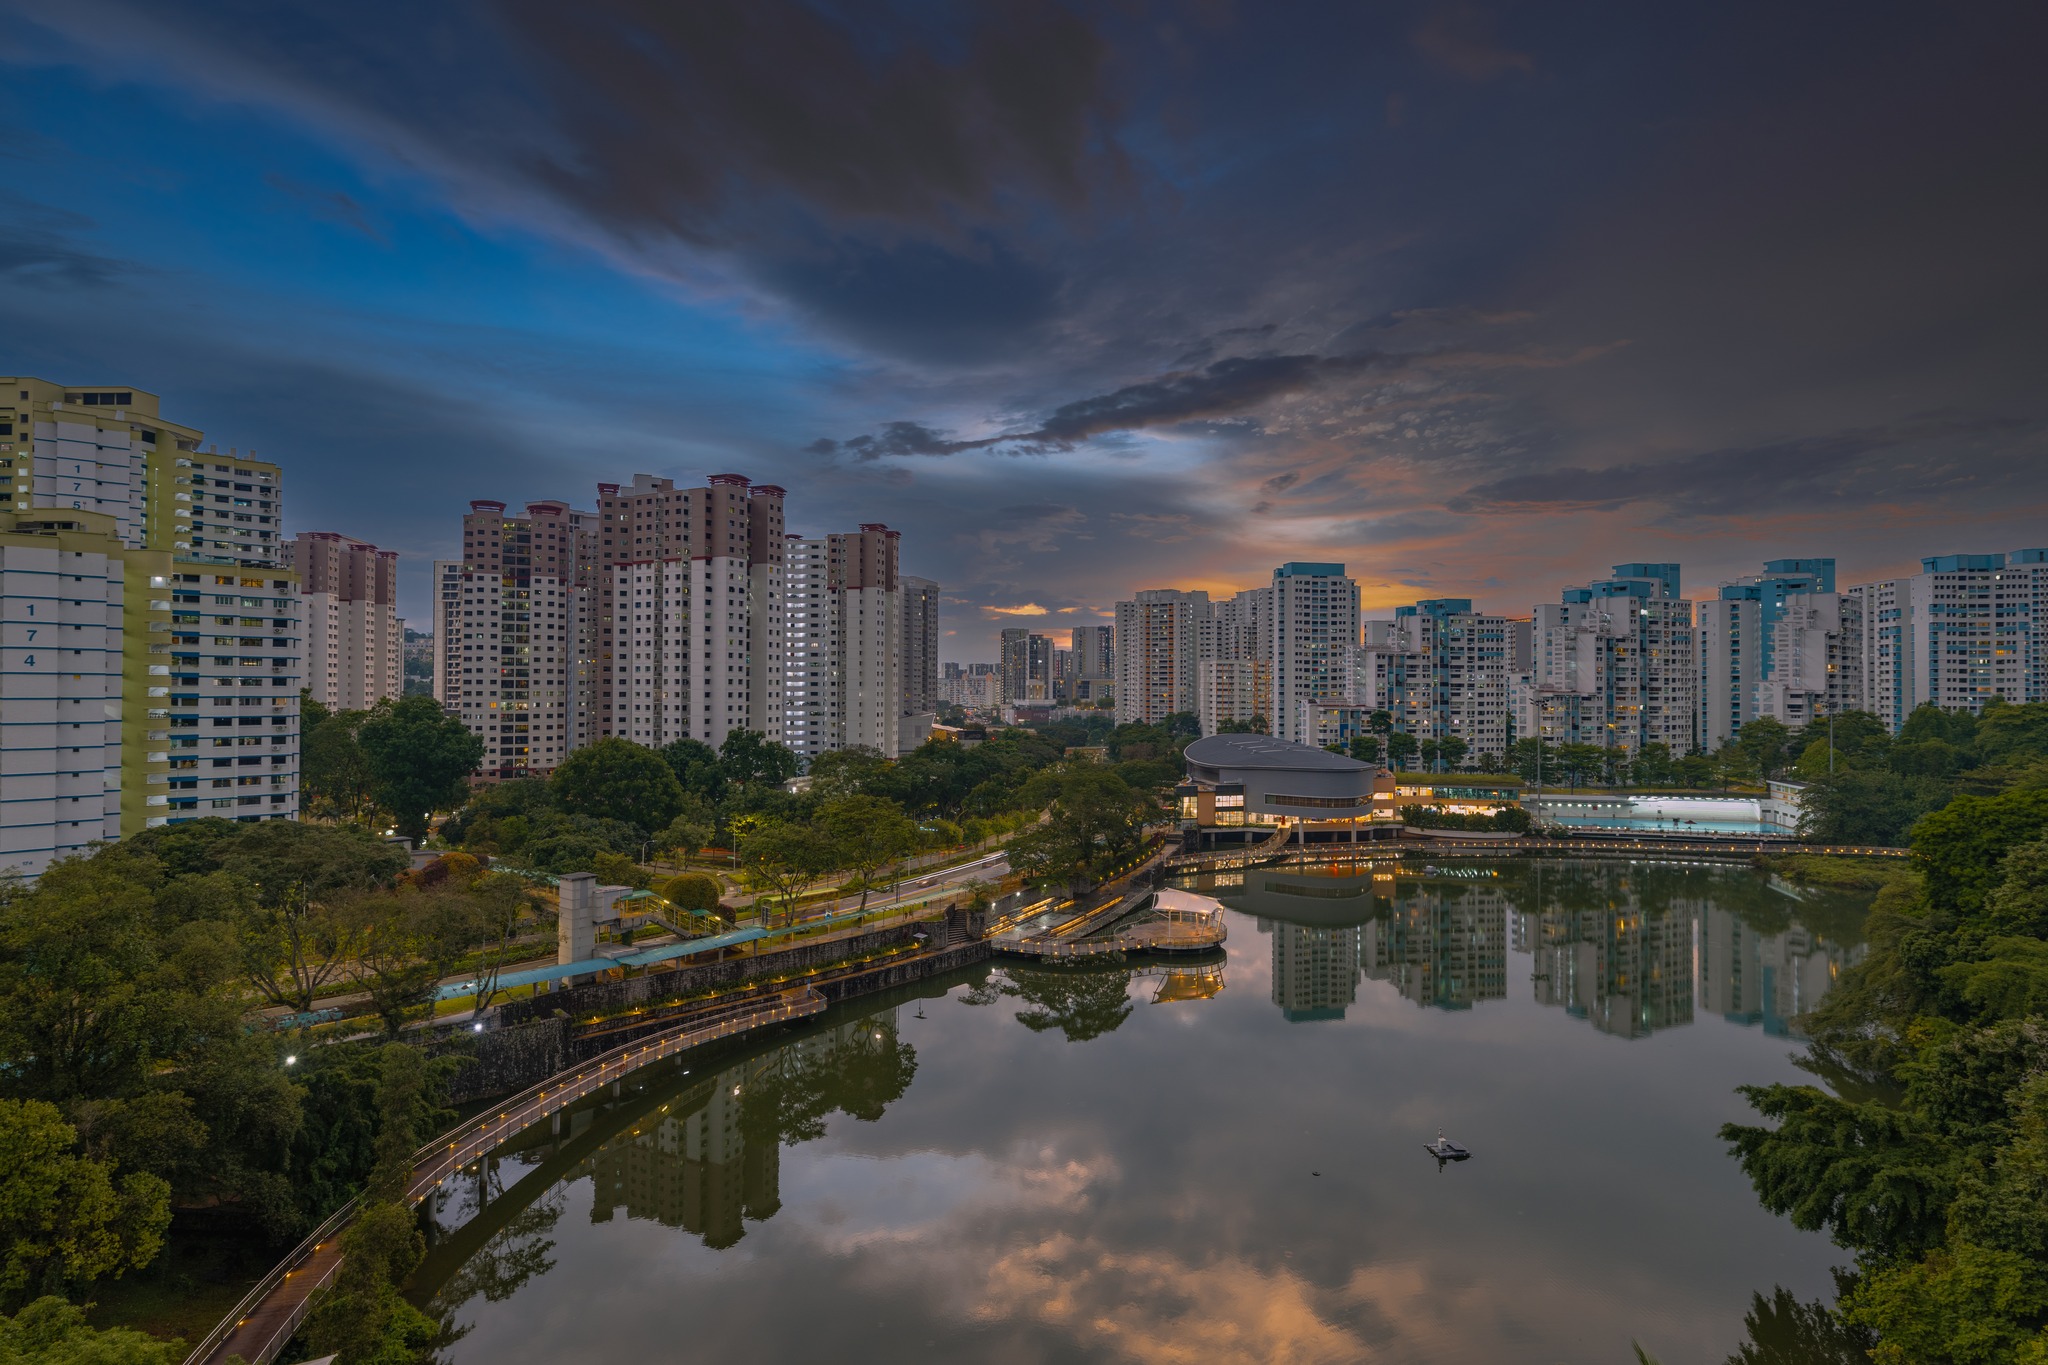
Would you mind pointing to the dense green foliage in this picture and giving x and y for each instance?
(615, 779)
(1092, 818)
(50, 1331)
(1927, 1155)
(419, 760)
(1508, 819)
(1870, 787)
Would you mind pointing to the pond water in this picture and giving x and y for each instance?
(1213, 1161)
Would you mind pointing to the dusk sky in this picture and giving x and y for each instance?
(1478, 299)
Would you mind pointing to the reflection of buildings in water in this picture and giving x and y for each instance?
(697, 1167)
(1442, 947)
(1752, 978)
(1317, 896)
(1627, 972)
(1315, 971)
(693, 1170)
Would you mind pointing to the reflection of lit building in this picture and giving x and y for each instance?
(1629, 973)
(1180, 982)
(1442, 947)
(1748, 978)
(693, 1170)
(713, 1159)
(1315, 971)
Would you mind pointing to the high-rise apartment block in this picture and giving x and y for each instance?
(1228, 690)
(1315, 635)
(64, 590)
(672, 613)
(1025, 668)
(355, 646)
(1614, 664)
(203, 718)
(511, 629)
(1440, 670)
(847, 650)
(1816, 659)
(1738, 632)
(920, 648)
(1963, 630)
(1159, 640)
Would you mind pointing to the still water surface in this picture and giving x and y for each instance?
(1217, 1162)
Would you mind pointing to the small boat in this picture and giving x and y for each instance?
(1443, 1149)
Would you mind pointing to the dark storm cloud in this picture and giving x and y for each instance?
(1460, 37)
(669, 111)
(1929, 460)
(1225, 389)
(39, 246)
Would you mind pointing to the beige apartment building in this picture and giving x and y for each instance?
(355, 641)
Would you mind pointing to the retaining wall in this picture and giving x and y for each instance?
(612, 997)
(517, 1055)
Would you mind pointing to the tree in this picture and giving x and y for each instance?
(293, 943)
(1452, 750)
(848, 772)
(695, 765)
(1429, 749)
(50, 1331)
(869, 836)
(410, 940)
(1764, 747)
(1401, 747)
(365, 1318)
(1365, 748)
(694, 826)
(1249, 725)
(779, 858)
(1092, 816)
(748, 757)
(692, 891)
(503, 902)
(1652, 766)
(64, 1218)
(333, 769)
(419, 758)
(616, 779)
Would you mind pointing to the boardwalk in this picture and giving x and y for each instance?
(263, 1322)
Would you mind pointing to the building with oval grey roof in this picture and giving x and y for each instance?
(1256, 780)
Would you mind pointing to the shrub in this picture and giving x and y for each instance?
(691, 891)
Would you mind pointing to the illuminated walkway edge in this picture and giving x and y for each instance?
(263, 1322)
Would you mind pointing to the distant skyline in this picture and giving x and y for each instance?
(1478, 299)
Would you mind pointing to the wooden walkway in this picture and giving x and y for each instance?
(263, 1322)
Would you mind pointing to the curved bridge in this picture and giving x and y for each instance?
(263, 1322)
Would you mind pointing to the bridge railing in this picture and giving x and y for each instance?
(467, 1141)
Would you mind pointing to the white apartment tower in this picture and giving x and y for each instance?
(63, 589)
(1159, 641)
(508, 627)
(1315, 635)
(847, 657)
(355, 645)
(206, 691)
(1614, 664)
(1963, 630)
(1817, 659)
(1441, 670)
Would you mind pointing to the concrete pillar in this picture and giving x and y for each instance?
(575, 925)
